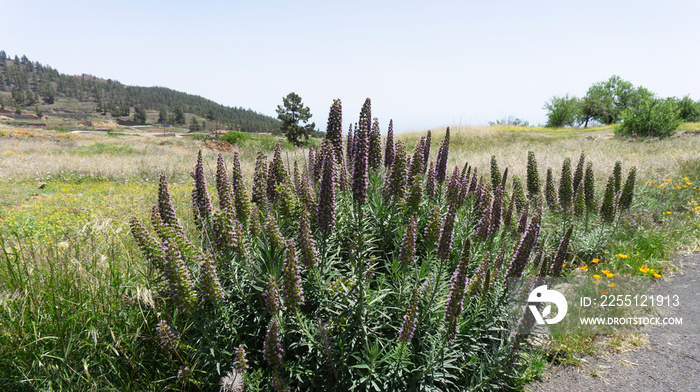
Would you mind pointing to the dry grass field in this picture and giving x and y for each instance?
(69, 265)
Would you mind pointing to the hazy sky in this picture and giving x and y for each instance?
(423, 64)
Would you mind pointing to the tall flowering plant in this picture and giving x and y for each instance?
(319, 286)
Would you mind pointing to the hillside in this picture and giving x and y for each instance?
(29, 87)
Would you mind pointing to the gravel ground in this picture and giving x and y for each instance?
(671, 361)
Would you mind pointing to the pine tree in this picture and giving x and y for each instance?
(139, 115)
(291, 114)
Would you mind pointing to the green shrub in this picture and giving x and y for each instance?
(235, 137)
(689, 110)
(650, 117)
(200, 136)
(561, 111)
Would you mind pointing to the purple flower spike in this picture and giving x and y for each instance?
(410, 319)
(389, 148)
(272, 296)
(432, 228)
(274, 236)
(453, 189)
(426, 150)
(443, 154)
(148, 245)
(445, 244)
(374, 149)
(334, 129)
(259, 196)
(527, 243)
(458, 283)
(559, 258)
(210, 285)
(276, 175)
(292, 293)
(408, 245)
(223, 185)
(165, 204)
(497, 208)
(360, 180)
(169, 338)
(201, 204)
(430, 181)
(483, 228)
(417, 160)
(522, 223)
(350, 146)
(241, 197)
(240, 363)
(325, 213)
(309, 255)
(273, 353)
(394, 186)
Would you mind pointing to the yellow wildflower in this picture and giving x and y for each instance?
(597, 276)
(644, 269)
(656, 275)
(584, 268)
(685, 179)
(622, 256)
(595, 261)
(613, 284)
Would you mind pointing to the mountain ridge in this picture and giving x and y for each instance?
(27, 85)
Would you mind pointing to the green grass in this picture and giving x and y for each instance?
(65, 323)
(103, 148)
(74, 309)
(689, 126)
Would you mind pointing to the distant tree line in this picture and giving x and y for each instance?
(31, 83)
(614, 101)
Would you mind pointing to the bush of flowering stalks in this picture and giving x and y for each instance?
(362, 270)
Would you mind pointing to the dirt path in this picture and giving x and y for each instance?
(671, 362)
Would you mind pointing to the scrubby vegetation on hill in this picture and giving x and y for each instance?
(29, 83)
